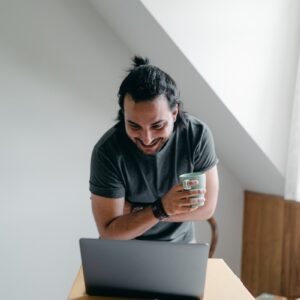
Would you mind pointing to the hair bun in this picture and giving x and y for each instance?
(139, 61)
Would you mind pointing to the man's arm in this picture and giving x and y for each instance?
(116, 221)
(112, 223)
(211, 198)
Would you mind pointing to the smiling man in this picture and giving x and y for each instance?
(135, 166)
(149, 124)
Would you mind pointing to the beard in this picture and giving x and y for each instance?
(153, 148)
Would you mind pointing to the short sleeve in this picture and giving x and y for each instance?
(104, 175)
(205, 155)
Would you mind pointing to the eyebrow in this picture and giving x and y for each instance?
(155, 123)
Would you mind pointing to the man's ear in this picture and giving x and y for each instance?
(175, 113)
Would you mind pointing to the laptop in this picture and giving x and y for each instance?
(144, 269)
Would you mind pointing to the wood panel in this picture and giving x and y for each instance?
(291, 250)
(271, 245)
(262, 243)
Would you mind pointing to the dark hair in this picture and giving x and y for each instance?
(145, 82)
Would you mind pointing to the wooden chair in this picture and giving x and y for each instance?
(214, 236)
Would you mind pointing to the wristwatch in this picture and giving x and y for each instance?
(137, 209)
(158, 210)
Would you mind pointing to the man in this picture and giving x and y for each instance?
(135, 166)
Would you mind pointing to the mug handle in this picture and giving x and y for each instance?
(186, 185)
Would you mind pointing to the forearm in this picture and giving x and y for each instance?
(130, 226)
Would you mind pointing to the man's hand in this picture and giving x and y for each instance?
(176, 200)
(179, 201)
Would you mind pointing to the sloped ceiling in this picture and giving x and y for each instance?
(137, 28)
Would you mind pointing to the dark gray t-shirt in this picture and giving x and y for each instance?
(120, 169)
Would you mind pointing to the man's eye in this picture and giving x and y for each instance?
(159, 126)
(134, 127)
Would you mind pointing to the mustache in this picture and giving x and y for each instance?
(152, 143)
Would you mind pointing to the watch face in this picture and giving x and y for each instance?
(137, 208)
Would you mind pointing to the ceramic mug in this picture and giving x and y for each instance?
(185, 180)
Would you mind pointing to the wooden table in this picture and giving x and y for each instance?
(221, 283)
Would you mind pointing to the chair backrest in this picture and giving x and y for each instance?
(214, 236)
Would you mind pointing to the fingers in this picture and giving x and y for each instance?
(184, 205)
(186, 194)
(178, 200)
(178, 188)
(188, 208)
(191, 202)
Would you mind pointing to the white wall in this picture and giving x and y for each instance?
(247, 51)
(60, 67)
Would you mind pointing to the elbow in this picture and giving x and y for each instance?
(107, 235)
(210, 206)
(110, 232)
(209, 211)
(104, 231)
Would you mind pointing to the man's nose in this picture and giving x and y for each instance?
(146, 137)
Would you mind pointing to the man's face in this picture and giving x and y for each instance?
(149, 124)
